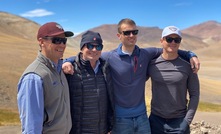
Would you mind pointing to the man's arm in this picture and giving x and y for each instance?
(195, 64)
(67, 66)
(186, 55)
(31, 104)
(192, 58)
(194, 94)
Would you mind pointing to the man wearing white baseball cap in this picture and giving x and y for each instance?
(171, 30)
(172, 78)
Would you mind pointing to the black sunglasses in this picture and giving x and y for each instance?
(91, 46)
(57, 40)
(134, 32)
(176, 40)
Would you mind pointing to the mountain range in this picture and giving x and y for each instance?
(19, 47)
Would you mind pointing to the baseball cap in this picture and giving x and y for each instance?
(52, 29)
(90, 37)
(171, 30)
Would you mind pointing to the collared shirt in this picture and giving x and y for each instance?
(96, 67)
(32, 100)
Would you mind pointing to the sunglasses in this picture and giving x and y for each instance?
(176, 40)
(126, 33)
(91, 46)
(57, 40)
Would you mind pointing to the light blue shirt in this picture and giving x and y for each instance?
(96, 67)
(31, 102)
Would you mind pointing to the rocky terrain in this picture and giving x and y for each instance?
(205, 128)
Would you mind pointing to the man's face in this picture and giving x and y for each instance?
(171, 43)
(53, 47)
(128, 35)
(92, 51)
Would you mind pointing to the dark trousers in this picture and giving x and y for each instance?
(161, 125)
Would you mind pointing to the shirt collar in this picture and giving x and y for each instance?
(97, 66)
(136, 51)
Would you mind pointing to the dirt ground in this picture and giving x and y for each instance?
(211, 118)
(10, 130)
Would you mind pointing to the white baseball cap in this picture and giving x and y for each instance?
(171, 30)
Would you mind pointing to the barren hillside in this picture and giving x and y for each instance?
(208, 31)
(148, 37)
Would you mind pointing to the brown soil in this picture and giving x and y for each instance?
(209, 117)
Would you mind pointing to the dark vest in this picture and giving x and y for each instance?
(91, 98)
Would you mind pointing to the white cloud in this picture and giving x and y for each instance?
(37, 13)
(77, 33)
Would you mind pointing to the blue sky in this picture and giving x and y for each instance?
(81, 15)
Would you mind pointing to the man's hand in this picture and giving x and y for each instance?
(68, 68)
(195, 64)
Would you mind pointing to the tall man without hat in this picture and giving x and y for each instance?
(91, 89)
(172, 78)
(43, 93)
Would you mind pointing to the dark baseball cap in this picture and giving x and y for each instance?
(52, 29)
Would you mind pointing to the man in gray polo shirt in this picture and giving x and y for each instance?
(172, 78)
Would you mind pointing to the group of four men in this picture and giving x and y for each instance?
(104, 92)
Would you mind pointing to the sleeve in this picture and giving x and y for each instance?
(186, 55)
(194, 93)
(153, 52)
(31, 103)
(70, 59)
(105, 55)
